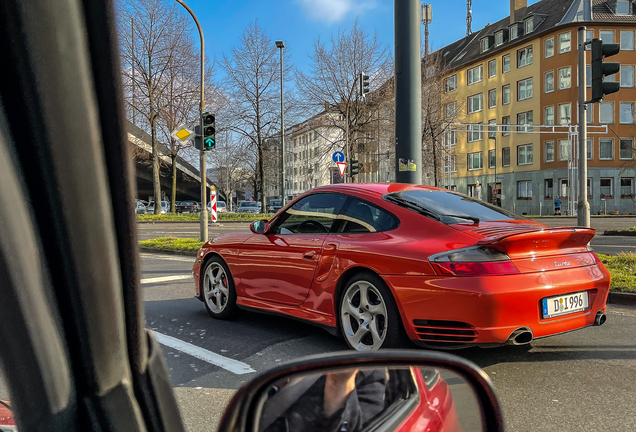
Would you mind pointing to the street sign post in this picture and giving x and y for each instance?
(338, 156)
(183, 134)
(342, 166)
(213, 215)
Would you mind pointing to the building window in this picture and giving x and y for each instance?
(524, 57)
(606, 112)
(528, 25)
(627, 187)
(450, 84)
(548, 115)
(549, 151)
(588, 76)
(524, 189)
(565, 78)
(589, 35)
(474, 132)
(626, 115)
(548, 81)
(548, 47)
(606, 148)
(475, 74)
(451, 137)
(484, 44)
(492, 159)
(499, 36)
(505, 130)
(623, 7)
(627, 149)
(492, 130)
(607, 191)
(627, 76)
(564, 186)
(524, 89)
(475, 161)
(524, 154)
(525, 121)
(548, 187)
(492, 68)
(564, 150)
(514, 32)
(565, 113)
(453, 166)
(451, 110)
(590, 148)
(505, 157)
(627, 40)
(607, 36)
(565, 43)
(475, 103)
(492, 98)
(505, 94)
(505, 63)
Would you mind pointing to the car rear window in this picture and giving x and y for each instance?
(448, 203)
(249, 204)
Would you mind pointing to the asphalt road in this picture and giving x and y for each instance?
(602, 244)
(584, 380)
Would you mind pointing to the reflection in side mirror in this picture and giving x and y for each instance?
(357, 399)
(260, 226)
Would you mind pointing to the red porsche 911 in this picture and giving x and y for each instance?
(383, 263)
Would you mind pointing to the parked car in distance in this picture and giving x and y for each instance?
(249, 207)
(140, 207)
(220, 206)
(187, 207)
(274, 206)
(165, 207)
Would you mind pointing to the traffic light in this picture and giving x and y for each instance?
(209, 131)
(353, 167)
(364, 84)
(601, 69)
(197, 137)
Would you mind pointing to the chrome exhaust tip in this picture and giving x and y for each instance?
(600, 318)
(521, 336)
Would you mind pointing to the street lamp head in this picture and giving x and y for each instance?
(280, 44)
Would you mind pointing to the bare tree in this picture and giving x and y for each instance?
(229, 165)
(154, 38)
(253, 88)
(332, 83)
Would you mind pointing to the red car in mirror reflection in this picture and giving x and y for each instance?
(7, 422)
(380, 264)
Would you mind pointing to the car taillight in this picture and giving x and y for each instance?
(475, 261)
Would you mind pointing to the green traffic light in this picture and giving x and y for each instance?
(209, 142)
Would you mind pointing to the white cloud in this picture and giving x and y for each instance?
(331, 11)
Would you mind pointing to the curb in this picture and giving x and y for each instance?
(167, 252)
(619, 233)
(620, 298)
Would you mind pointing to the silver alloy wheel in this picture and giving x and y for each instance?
(364, 316)
(216, 289)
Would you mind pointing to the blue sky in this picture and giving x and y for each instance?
(300, 22)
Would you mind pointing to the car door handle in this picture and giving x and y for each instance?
(309, 255)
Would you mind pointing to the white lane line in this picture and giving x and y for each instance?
(166, 278)
(168, 257)
(230, 365)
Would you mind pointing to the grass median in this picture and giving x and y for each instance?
(631, 231)
(194, 217)
(622, 267)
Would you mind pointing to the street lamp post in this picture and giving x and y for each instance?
(204, 213)
(494, 138)
(281, 46)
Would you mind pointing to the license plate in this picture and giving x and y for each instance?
(565, 304)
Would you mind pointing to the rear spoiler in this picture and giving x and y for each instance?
(541, 240)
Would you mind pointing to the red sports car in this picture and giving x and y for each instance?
(380, 262)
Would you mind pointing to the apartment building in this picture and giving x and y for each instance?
(522, 71)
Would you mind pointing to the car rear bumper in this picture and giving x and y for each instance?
(438, 310)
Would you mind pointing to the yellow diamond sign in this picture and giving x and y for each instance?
(182, 134)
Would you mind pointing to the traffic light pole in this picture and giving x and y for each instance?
(408, 92)
(204, 213)
(583, 207)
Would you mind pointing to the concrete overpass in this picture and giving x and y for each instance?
(188, 177)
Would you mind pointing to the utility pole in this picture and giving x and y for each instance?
(583, 207)
(204, 214)
(281, 45)
(408, 93)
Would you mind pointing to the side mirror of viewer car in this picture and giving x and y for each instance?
(352, 392)
(259, 226)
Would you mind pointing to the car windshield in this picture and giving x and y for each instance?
(220, 203)
(248, 204)
(449, 207)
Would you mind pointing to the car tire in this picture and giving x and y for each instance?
(374, 324)
(219, 297)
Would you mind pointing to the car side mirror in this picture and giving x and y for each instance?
(350, 392)
(259, 226)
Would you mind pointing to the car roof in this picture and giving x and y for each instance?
(373, 188)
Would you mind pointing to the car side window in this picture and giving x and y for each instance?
(314, 214)
(362, 217)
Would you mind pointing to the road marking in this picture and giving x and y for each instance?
(168, 257)
(230, 365)
(166, 278)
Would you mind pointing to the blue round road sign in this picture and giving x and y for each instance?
(338, 156)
